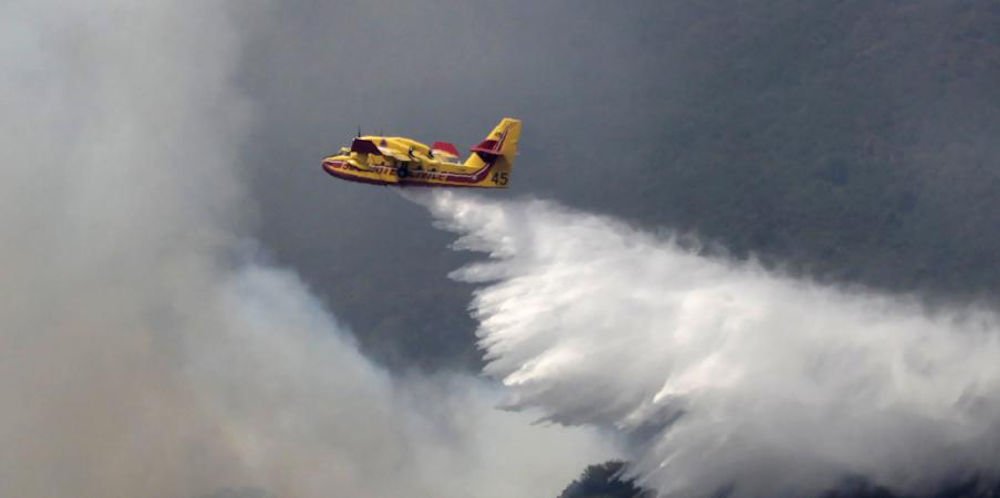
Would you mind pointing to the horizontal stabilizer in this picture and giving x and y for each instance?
(363, 146)
(488, 149)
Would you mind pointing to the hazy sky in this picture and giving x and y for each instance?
(147, 345)
(190, 305)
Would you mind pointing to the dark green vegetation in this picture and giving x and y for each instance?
(603, 481)
(860, 488)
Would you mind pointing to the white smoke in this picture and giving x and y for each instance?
(726, 376)
(142, 352)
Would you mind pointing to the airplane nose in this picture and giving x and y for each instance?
(331, 166)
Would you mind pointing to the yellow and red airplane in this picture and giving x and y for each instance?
(405, 162)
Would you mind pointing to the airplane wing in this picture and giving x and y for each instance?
(363, 146)
(395, 154)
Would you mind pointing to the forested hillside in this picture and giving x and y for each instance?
(604, 481)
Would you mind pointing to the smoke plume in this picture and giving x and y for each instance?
(146, 349)
(725, 376)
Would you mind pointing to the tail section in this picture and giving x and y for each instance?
(497, 152)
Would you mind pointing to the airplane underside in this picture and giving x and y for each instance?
(388, 174)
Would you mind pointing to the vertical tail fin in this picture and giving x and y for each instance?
(497, 152)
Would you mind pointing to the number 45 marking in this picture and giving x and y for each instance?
(500, 178)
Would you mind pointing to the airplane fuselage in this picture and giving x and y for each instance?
(416, 166)
(406, 162)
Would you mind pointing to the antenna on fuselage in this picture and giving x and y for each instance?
(359, 131)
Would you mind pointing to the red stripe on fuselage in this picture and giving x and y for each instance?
(418, 178)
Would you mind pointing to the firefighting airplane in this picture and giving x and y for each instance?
(404, 162)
